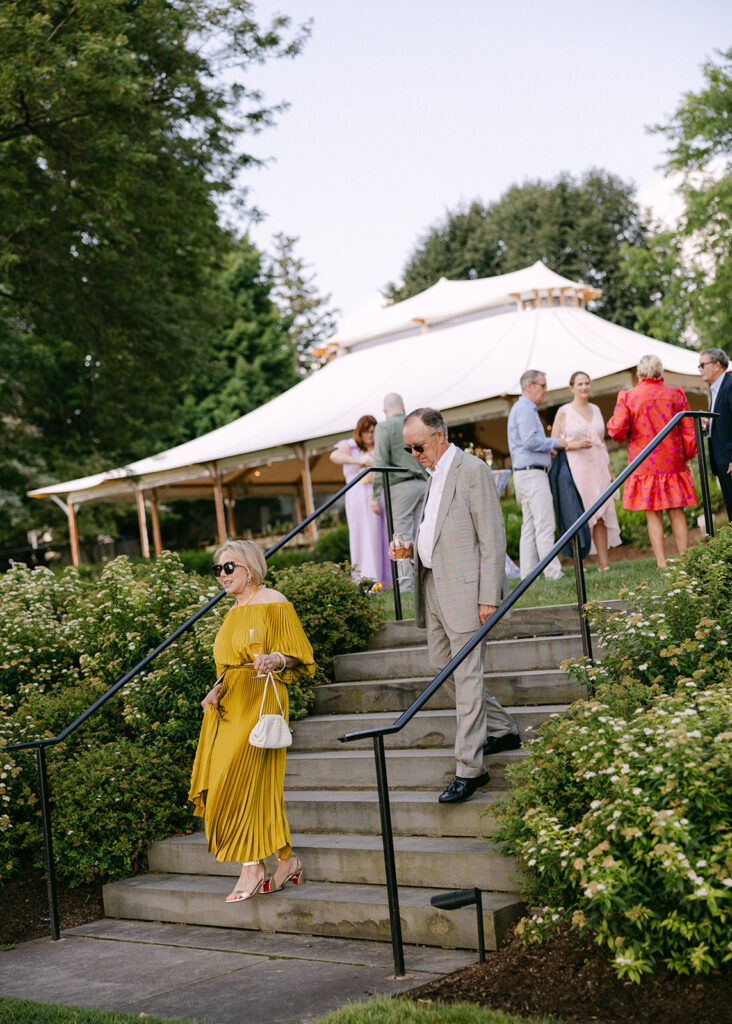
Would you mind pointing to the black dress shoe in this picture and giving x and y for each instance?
(496, 744)
(462, 789)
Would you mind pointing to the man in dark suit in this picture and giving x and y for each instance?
(713, 363)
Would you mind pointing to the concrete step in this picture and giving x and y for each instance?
(434, 863)
(427, 729)
(317, 908)
(423, 769)
(541, 686)
(508, 656)
(412, 813)
(550, 620)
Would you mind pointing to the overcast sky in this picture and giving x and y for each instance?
(401, 109)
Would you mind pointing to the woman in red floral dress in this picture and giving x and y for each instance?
(664, 480)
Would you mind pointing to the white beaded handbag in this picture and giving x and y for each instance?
(271, 731)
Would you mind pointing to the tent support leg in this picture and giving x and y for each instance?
(155, 518)
(307, 488)
(142, 519)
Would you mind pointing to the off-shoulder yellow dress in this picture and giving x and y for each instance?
(236, 788)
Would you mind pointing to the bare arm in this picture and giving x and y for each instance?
(342, 457)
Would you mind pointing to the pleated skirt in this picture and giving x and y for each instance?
(236, 788)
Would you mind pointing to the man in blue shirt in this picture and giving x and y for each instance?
(531, 454)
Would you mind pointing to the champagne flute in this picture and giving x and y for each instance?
(254, 642)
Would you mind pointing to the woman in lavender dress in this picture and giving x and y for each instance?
(367, 530)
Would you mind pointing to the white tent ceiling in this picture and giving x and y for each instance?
(470, 369)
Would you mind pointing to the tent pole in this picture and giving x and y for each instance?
(155, 516)
(142, 519)
(219, 500)
(73, 532)
(307, 489)
(230, 509)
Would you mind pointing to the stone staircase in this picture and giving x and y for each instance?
(333, 808)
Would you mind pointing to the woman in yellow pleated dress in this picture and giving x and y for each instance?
(238, 789)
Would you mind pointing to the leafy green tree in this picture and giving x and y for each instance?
(659, 271)
(117, 138)
(253, 357)
(578, 227)
(700, 148)
(312, 322)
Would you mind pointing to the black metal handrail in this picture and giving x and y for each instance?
(40, 745)
(572, 534)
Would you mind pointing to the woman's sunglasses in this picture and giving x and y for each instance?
(226, 567)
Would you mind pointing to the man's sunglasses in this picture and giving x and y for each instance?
(226, 567)
(409, 448)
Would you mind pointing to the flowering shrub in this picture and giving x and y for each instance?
(337, 614)
(656, 642)
(622, 817)
(65, 641)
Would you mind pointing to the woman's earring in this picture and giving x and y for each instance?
(249, 580)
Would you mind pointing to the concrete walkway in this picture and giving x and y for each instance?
(212, 975)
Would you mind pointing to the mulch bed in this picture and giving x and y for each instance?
(570, 977)
(25, 907)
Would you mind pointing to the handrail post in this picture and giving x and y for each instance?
(390, 534)
(387, 839)
(701, 457)
(48, 843)
(579, 575)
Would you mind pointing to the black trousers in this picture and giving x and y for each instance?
(725, 482)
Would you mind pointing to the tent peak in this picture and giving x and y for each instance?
(448, 302)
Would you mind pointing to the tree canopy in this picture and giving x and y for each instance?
(698, 282)
(253, 357)
(117, 140)
(311, 319)
(577, 226)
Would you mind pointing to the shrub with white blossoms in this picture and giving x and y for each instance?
(121, 781)
(622, 817)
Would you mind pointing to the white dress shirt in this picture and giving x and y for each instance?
(426, 538)
(713, 392)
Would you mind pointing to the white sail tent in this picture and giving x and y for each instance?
(459, 346)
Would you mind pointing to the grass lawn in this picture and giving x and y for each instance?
(378, 1011)
(600, 586)
(23, 1011)
(403, 1011)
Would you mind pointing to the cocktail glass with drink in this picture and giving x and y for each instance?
(402, 547)
(254, 642)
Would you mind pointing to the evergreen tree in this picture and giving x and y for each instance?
(312, 322)
(253, 358)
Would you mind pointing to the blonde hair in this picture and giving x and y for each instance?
(249, 554)
(650, 366)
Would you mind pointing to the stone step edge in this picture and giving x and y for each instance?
(519, 709)
(367, 843)
(423, 646)
(410, 895)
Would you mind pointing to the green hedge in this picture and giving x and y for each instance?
(622, 817)
(121, 781)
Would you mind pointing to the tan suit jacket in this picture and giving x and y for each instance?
(469, 552)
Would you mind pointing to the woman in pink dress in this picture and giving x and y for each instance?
(664, 480)
(577, 423)
(366, 530)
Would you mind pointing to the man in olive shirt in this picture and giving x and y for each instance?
(407, 489)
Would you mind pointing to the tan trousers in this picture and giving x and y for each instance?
(478, 713)
(537, 521)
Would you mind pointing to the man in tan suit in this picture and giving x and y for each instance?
(459, 580)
